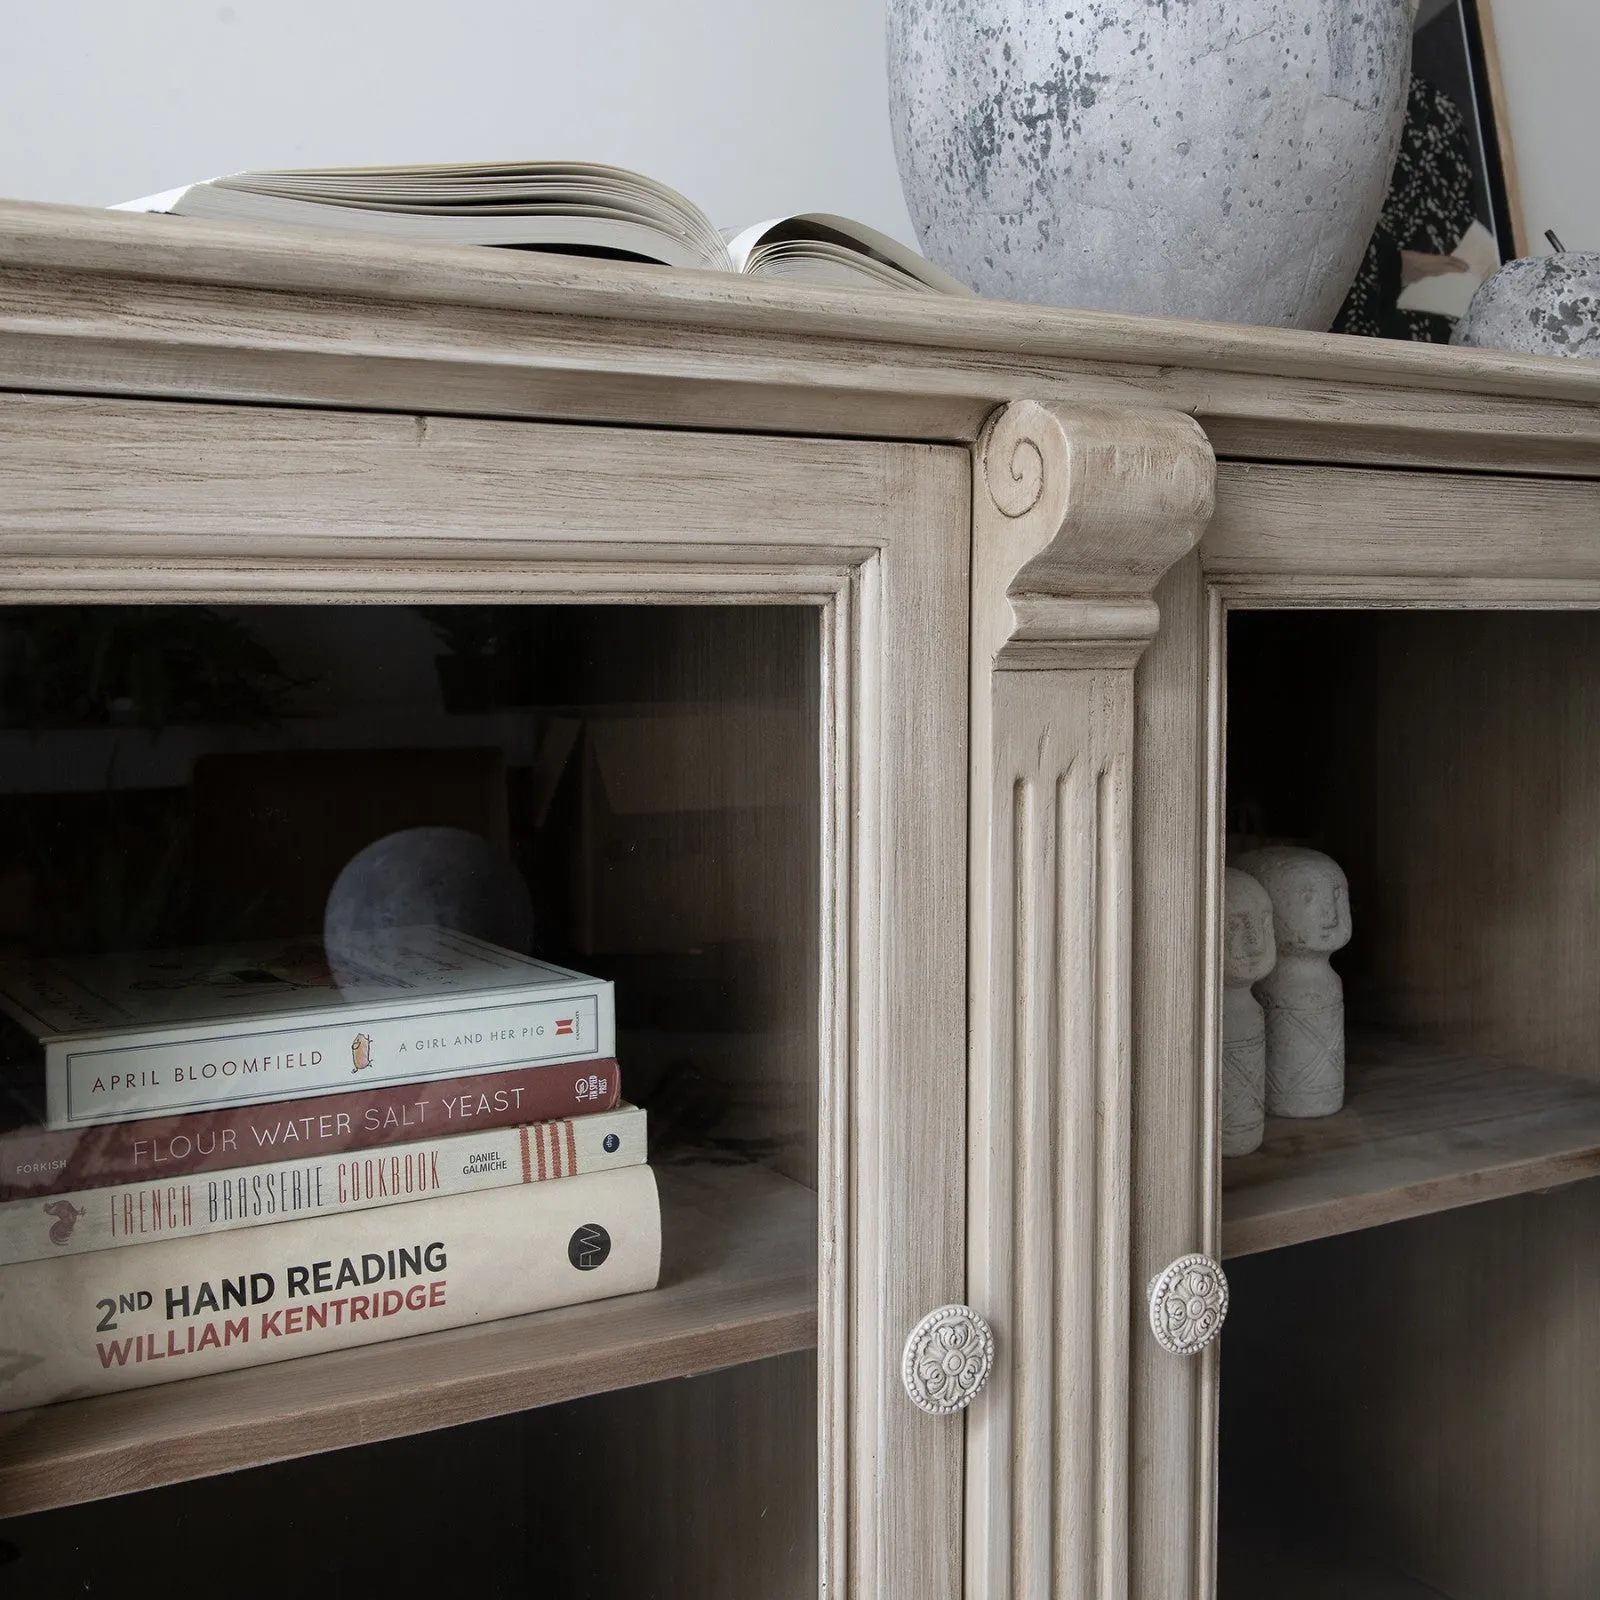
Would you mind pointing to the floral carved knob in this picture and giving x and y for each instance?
(947, 1360)
(1188, 1302)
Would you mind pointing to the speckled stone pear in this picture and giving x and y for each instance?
(1248, 955)
(1224, 159)
(1302, 996)
(1541, 305)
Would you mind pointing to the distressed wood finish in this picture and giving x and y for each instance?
(1320, 536)
(1487, 923)
(139, 500)
(1448, 762)
(1176, 916)
(1077, 514)
(305, 504)
(115, 303)
(1422, 1130)
(1016, 633)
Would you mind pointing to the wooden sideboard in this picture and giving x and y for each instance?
(1027, 538)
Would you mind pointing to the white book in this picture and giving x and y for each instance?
(124, 1319)
(124, 1037)
(35, 1229)
(560, 206)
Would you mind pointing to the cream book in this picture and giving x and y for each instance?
(161, 1207)
(162, 1032)
(574, 207)
(124, 1319)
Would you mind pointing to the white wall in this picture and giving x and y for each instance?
(1550, 57)
(751, 107)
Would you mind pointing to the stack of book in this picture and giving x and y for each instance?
(217, 1158)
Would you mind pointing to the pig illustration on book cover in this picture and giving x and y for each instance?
(66, 1219)
(361, 1052)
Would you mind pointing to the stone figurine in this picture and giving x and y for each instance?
(1248, 955)
(1302, 996)
(1224, 159)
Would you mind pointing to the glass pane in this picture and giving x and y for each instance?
(1411, 1366)
(338, 945)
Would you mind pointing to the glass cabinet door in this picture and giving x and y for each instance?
(476, 1034)
(1410, 1370)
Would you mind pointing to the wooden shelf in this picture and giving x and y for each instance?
(738, 1283)
(1422, 1130)
(1262, 1568)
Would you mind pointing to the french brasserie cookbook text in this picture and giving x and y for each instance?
(172, 1207)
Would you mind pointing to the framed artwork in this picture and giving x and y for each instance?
(1453, 213)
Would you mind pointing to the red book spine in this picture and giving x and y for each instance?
(44, 1161)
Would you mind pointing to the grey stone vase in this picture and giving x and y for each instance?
(1543, 305)
(1224, 159)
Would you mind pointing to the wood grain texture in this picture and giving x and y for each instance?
(1447, 761)
(113, 303)
(1366, 734)
(1172, 1419)
(687, 858)
(209, 412)
(1077, 516)
(898, 1136)
(1482, 927)
(1315, 536)
(738, 1284)
(115, 486)
(1423, 1130)
(141, 500)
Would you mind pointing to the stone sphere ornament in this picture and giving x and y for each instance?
(1302, 997)
(424, 877)
(1541, 305)
(1224, 159)
(1248, 955)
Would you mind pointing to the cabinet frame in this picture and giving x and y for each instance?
(1088, 641)
(146, 501)
(1282, 537)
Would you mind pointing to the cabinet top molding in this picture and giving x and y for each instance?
(116, 302)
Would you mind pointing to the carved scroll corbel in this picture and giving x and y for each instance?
(1077, 515)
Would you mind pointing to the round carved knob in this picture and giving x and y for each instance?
(1188, 1302)
(947, 1360)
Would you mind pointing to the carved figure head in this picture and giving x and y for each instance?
(1309, 894)
(1248, 948)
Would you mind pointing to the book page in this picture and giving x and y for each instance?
(820, 247)
(541, 205)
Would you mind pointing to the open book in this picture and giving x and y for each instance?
(567, 207)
